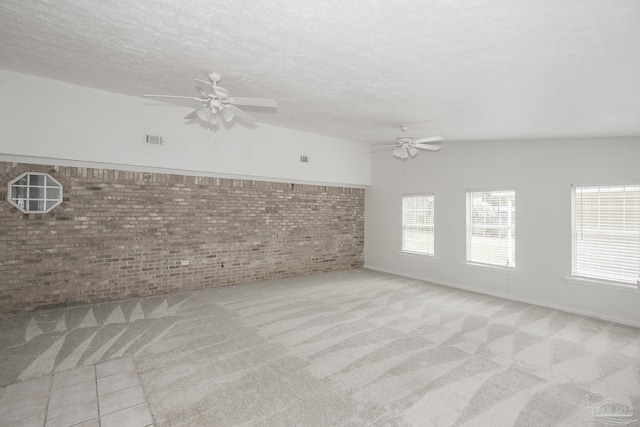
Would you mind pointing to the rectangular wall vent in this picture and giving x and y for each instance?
(304, 159)
(153, 139)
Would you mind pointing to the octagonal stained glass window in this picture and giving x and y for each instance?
(34, 192)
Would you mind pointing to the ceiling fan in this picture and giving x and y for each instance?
(407, 147)
(215, 101)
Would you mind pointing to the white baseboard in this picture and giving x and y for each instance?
(510, 297)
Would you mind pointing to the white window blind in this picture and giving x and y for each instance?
(491, 227)
(418, 224)
(606, 233)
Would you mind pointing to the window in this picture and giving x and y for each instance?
(417, 224)
(35, 192)
(606, 233)
(491, 227)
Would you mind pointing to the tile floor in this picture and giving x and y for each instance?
(107, 394)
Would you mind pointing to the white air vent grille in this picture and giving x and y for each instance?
(153, 139)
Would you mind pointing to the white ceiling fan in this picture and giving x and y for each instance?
(215, 101)
(407, 147)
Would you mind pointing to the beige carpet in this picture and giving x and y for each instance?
(350, 348)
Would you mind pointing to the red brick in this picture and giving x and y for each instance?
(120, 233)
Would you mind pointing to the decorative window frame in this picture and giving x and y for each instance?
(49, 192)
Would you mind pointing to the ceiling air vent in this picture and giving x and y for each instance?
(304, 159)
(153, 139)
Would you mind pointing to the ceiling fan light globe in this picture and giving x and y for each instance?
(412, 151)
(400, 153)
(204, 113)
(227, 115)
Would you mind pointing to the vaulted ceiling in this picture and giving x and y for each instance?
(465, 70)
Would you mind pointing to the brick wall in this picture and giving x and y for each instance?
(121, 234)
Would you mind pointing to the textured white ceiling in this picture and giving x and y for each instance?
(492, 69)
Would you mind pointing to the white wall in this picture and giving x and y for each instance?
(44, 120)
(47, 121)
(541, 173)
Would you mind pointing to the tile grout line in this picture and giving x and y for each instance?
(144, 394)
(126, 388)
(46, 411)
(95, 377)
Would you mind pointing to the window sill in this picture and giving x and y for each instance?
(490, 267)
(602, 284)
(416, 256)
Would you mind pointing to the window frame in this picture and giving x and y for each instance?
(403, 226)
(509, 266)
(28, 186)
(576, 276)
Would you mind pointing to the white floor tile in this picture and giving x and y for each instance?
(77, 376)
(70, 398)
(114, 367)
(121, 399)
(91, 423)
(32, 421)
(134, 416)
(73, 414)
(26, 407)
(72, 394)
(19, 391)
(117, 382)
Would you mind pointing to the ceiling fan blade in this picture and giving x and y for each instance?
(427, 147)
(245, 117)
(192, 115)
(203, 93)
(383, 147)
(254, 102)
(174, 96)
(218, 91)
(204, 82)
(432, 139)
